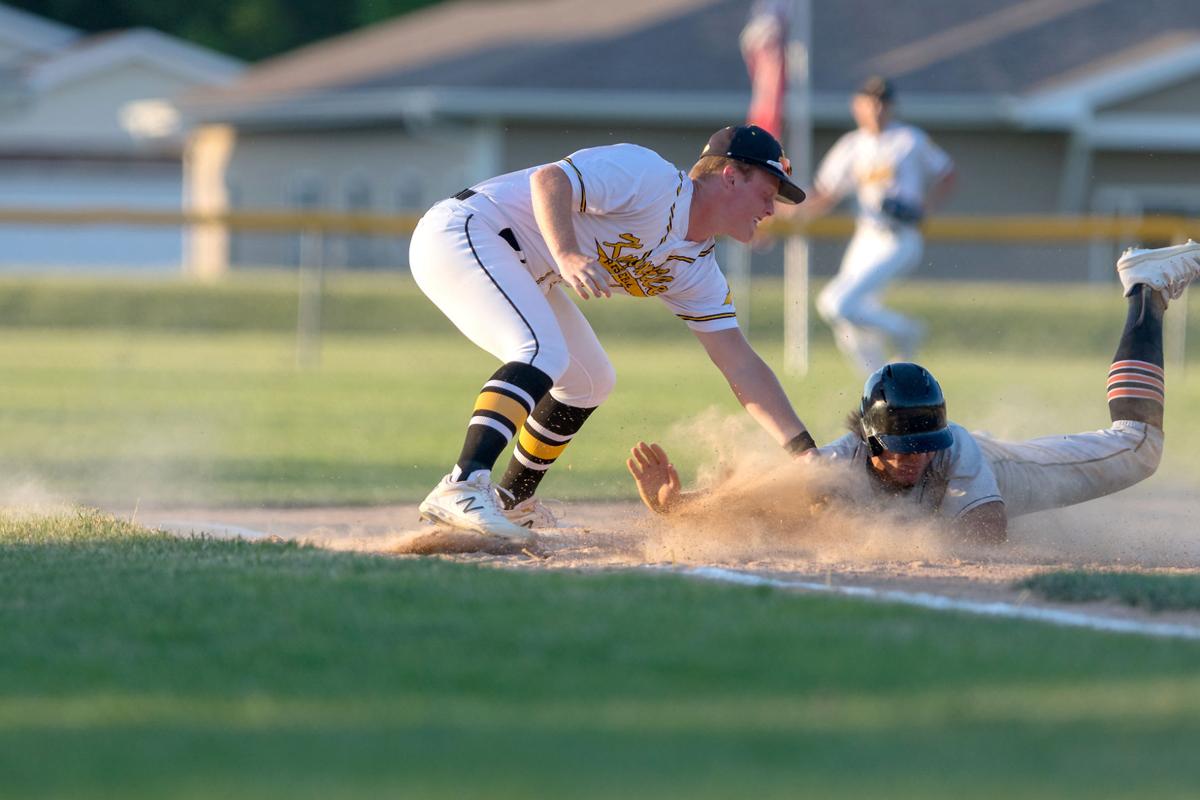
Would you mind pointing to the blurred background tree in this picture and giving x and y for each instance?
(249, 29)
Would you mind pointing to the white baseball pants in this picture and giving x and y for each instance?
(480, 283)
(851, 303)
(1058, 471)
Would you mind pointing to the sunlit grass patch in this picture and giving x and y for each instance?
(1156, 592)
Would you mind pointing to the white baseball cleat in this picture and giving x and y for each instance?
(532, 513)
(471, 505)
(529, 513)
(1167, 269)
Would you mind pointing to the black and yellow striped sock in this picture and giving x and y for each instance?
(500, 411)
(543, 438)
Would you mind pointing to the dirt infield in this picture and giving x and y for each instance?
(1147, 529)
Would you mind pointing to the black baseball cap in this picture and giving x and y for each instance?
(878, 87)
(751, 144)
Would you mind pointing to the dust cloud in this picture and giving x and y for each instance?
(753, 502)
(30, 497)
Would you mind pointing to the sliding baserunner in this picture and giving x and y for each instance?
(901, 438)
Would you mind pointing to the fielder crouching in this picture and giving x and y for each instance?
(900, 435)
(497, 257)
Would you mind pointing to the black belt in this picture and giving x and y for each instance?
(506, 234)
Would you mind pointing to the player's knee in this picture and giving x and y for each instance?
(829, 307)
(604, 380)
(550, 357)
(587, 386)
(1150, 453)
(839, 306)
(1145, 446)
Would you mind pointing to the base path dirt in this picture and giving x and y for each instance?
(1144, 529)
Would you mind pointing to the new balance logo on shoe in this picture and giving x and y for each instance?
(471, 505)
(467, 504)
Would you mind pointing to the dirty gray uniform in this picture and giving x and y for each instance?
(1034, 475)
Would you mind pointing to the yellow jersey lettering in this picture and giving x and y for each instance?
(634, 271)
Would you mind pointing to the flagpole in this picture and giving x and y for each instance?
(799, 150)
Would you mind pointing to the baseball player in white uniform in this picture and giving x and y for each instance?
(496, 258)
(901, 439)
(896, 174)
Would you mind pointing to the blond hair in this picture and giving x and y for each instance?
(715, 165)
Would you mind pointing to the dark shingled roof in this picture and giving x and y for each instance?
(983, 47)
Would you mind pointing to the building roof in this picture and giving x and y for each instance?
(62, 92)
(91, 54)
(977, 60)
(30, 34)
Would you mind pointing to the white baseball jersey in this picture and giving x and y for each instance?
(958, 479)
(900, 162)
(632, 215)
(1034, 475)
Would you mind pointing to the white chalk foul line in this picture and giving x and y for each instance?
(1073, 619)
(217, 530)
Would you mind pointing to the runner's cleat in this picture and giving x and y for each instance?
(1166, 269)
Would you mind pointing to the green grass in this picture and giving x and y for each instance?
(255, 301)
(133, 664)
(114, 406)
(1155, 592)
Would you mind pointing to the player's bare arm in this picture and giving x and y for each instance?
(753, 383)
(986, 524)
(552, 208)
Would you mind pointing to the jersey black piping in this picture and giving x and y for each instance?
(582, 187)
(537, 346)
(708, 317)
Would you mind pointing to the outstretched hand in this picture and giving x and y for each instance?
(656, 478)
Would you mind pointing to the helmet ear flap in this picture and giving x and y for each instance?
(873, 443)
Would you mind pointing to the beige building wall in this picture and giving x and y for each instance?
(96, 98)
(378, 170)
(1180, 98)
(529, 143)
(387, 170)
(1147, 167)
(1000, 173)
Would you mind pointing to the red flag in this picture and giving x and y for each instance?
(764, 46)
